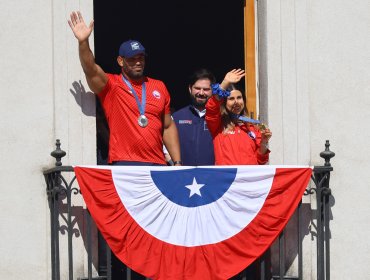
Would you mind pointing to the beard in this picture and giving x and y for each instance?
(198, 102)
(135, 75)
(132, 74)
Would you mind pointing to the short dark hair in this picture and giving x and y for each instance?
(201, 74)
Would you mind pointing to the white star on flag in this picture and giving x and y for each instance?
(194, 188)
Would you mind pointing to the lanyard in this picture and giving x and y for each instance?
(246, 119)
(141, 105)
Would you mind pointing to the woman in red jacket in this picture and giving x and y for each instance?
(237, 141)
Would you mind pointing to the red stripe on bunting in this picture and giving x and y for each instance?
(160, 260)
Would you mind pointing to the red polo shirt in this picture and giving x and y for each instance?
(128, 141)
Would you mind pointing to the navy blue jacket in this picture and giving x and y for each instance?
(195, 139)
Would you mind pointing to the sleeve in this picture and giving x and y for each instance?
(261, 158)
(104, 93)
(213, 116)
(167, 105)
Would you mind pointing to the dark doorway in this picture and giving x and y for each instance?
(179, 36)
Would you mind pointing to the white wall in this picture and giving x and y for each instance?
(39, 63)
(316, 69)
(340, 101)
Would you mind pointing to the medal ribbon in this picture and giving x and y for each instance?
(141, 105)
(246, 119)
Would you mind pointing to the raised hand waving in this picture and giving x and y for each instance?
(79, 27)
(234, 76)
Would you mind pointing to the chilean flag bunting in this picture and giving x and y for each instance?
(191, 222)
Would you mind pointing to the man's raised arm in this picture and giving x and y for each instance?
(95, 76)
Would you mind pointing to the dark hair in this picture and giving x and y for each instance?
(226, 120)
(201, 74)
(244, 112)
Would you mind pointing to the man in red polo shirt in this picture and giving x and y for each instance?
(137, 108)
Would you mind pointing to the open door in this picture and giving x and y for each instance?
(250, 57)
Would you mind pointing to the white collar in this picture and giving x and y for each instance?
(200, 113)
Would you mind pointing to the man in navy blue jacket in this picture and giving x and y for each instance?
(195, 139)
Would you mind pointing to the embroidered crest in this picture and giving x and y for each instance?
(252, 135)
(156, 94)
(135, 46)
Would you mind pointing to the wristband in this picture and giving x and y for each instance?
(216, 89)
(177, 162)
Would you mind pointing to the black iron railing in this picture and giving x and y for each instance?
(60, 191)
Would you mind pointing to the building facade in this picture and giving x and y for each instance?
(313, 85)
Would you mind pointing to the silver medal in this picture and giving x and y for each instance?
(142, 120)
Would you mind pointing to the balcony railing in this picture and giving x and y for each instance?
(61, 187)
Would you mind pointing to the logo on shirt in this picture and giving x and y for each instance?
(205, 126)
(252, 135)
(185, 121)
(156, 94)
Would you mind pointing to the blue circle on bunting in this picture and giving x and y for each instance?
(194, 187)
